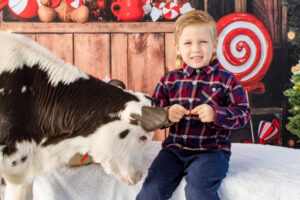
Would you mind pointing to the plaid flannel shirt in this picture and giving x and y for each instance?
(191, 87)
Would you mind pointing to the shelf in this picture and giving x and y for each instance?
(91, 27)
(269, 110)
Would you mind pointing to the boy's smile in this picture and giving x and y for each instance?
(196, 46)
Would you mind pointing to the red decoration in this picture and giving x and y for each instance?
(268, 131)
(24, 9)
(245, 49)
(144, 2)
(171, 11)
(128, 10)
(75, 3)
(156, 11)
(101, 4)
(3, 3)
(97, 9)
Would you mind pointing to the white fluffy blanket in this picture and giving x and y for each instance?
(256, 172)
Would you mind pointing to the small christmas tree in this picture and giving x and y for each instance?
(294, 99)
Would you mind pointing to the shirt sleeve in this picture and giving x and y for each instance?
(160, 95)
(161, 99)
(236, 113)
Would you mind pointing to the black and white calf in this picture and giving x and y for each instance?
(50, 110)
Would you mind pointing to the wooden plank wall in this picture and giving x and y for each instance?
(271, 13)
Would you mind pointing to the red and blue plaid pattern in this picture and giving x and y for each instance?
(191, 87)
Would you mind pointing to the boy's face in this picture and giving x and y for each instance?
(196, 46)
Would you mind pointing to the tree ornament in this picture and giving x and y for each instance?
(291, 143)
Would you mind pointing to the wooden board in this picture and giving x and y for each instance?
(91, 27)
(240, 5)
(284, 18)
(170, 54)
(92, 53)
(197, 4)
(269, 11)
(220, 8)
(119, 60)
(60, 44)
(31, 36)
(145, 61)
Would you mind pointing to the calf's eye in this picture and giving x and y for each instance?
(143, 138)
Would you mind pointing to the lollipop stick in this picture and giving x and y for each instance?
(251, 125)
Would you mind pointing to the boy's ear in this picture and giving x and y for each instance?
(176, 48)
(215, 47)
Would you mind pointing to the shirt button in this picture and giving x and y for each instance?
(213, 89)
(194, 82)
(187, 118)
(197, 70)
(184, 136)
(190, 100)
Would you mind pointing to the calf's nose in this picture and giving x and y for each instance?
(133, 179)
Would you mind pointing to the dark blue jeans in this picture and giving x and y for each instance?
(203, 172)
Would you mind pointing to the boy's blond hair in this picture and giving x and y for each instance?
(196, 17)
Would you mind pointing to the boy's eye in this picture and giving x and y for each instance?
(187, 43)
(203, 41)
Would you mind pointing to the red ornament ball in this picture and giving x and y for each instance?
(24, 9)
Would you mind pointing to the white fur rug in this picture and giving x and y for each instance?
(256, 172)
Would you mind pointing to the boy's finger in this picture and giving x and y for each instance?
(179, 112)
(194, 110)
(184, 110)
(201, 111)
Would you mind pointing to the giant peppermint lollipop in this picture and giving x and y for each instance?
(245, 49)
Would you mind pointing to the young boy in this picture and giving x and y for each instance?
(204, 103)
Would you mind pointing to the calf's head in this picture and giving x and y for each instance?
(121, 144)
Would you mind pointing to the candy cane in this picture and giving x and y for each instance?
(244, 47)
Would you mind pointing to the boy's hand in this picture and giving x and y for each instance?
(205, 112)
(176, 112)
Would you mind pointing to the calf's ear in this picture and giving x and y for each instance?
(117, 83)
(152, 118)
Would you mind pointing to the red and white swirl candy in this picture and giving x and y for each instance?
(171, 11)
(244, 47)
(156, 11)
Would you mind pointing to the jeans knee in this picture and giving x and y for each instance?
(202, 192)
(156, 189)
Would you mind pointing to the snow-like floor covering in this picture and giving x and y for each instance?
(256, 172)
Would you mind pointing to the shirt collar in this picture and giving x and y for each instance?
(206, 69)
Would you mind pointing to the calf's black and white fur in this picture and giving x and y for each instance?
(50, 110)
